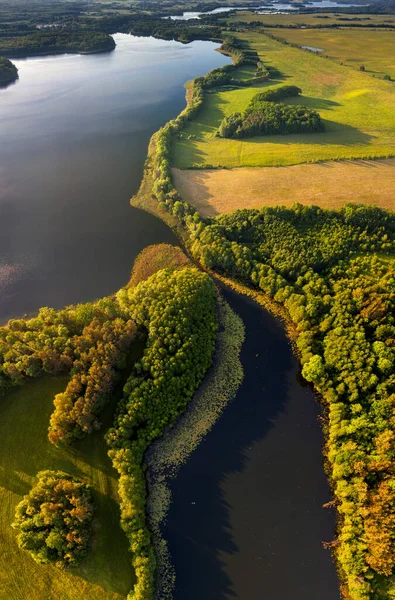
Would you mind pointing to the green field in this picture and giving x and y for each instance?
(106, 573)
(300, 19)
(358, 111)
(354, 47)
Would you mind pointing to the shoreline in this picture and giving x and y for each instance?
(145, 200)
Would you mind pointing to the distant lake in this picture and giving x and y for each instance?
(269, 7)
(74, 133)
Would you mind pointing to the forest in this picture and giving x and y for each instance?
(56, 41)
(333, 272)
(173, 311)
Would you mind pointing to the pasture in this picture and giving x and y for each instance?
(357, 110)
(106, 573)
(374, 49)
(219, 191)
(314, 19)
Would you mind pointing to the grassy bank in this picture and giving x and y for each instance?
(106, 573)
(356, 108)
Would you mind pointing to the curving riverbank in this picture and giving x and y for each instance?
(224, 542)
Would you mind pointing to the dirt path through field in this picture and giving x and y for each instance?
(329, 185)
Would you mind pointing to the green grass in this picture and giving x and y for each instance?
(373, 49)
(357, 110)
(106, 573)
(309, 19)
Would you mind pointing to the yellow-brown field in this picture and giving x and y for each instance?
(329, 185)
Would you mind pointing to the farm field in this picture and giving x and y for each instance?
(357, 110)
(374, 49)
(219, 191)
(321, 19)
(106, 573)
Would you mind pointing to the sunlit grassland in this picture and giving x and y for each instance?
(106, 573)
(374, 49)
(357, 110)
(300, 19)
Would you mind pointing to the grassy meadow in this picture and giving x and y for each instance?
(374, 49)
(357, 110)
(300, 19)
(106, 573)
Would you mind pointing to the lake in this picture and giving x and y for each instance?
(74, 133)
(267, 8)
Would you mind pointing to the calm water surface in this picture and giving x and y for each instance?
(74, 133)
(269, 7)
(247, 522)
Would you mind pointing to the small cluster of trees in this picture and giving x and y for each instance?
(8, 71)
(54, 520)
(266, 116)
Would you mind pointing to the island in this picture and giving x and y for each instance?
(8, 71)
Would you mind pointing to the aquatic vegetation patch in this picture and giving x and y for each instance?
(172, 450)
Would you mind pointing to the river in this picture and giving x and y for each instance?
(74, 133)
(247, 519)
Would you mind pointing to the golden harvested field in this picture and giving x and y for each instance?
(329, 185)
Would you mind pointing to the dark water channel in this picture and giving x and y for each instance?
(247, 521)
(74, 134)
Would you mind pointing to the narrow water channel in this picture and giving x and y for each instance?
(247, 520)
